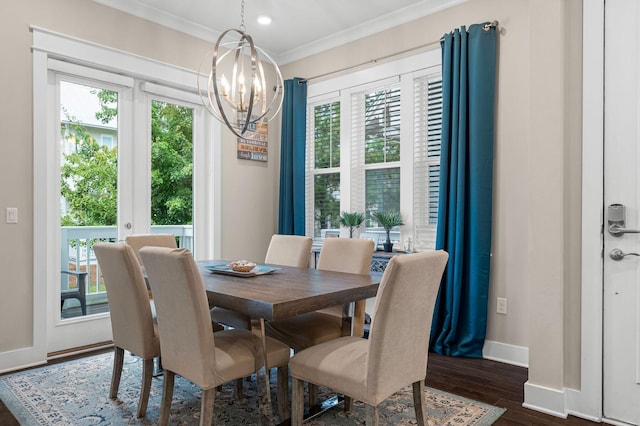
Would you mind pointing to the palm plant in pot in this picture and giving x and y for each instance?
(388, 220)
(351, 221)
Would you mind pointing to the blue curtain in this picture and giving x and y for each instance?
(292, 155)
(466, 174)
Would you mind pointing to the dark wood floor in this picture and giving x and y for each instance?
(494, 383)
(487, 381)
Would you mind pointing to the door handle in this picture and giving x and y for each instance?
(617, 254)
(617, 230)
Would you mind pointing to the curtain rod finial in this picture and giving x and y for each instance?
(492, 24)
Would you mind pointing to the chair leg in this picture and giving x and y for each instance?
(312, 389)
(419, 402)
(83, 306)
(206, 410)
(348, 403)
(118, 359)
(147, 375)
(283, 392)
(239, 383)
(297, 402)
(167, 396)
(372, 415)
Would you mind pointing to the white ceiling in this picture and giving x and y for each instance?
(299, 28)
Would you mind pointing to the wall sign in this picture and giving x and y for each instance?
(254, 145)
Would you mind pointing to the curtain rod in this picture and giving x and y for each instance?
(486, 27)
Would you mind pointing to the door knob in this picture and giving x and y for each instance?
(617, 254)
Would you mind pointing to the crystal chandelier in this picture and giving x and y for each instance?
(253, 94)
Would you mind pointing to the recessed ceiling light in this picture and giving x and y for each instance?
(264, 20)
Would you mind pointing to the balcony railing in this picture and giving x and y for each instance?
(76, 253)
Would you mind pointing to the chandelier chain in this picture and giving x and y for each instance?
(242, 27)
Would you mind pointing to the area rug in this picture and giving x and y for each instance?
(76, 393)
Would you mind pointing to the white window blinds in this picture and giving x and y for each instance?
(428, 125)
(375, 158)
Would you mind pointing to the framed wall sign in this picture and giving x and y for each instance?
(253, 146)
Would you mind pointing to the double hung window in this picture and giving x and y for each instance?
(373, 145)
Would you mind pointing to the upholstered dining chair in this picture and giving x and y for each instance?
(395, 354)
(189, 346)
(137, 241)
(131, 321)
(286, 250)
(305, 330)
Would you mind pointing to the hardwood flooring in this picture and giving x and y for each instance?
(493, 383)
(487, 381)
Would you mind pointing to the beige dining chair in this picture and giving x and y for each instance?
(305, 330)
(131, 321)
(137, 241)
(189, 346)
(286, 250)
(395, 354)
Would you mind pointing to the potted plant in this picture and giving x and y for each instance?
(388, 220)
(351, 221)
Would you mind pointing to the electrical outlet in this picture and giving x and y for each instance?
(501, 306)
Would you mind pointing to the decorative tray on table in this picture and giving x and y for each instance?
(257, 270)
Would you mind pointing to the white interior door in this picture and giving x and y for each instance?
(621, 353)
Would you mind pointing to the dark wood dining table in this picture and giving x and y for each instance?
(287, 292)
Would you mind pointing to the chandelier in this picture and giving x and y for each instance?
(253, 94)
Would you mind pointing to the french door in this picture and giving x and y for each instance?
(621, 320)
(124, 153)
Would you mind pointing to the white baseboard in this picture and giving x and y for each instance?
(559, 403)
(503, 352)
(21, 358)
(546, 400)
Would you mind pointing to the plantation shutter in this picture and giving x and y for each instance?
(375, 156)
(428, 125)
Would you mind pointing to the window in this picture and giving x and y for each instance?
(325, 172)
(385, 155)
(107, 140)
(428, 125)
(375, 158)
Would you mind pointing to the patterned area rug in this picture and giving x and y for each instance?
(76, 393)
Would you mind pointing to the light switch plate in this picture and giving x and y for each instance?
(12, 215)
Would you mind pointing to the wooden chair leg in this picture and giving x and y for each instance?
(419, 403)
(147, 375)
(297, 402)
(118, 359)
(167, 396)
(239, 383)
(206, 410)
(283, 392)
(348, 403)
(372, 414)
(312, 389)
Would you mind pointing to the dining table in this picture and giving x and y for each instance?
(281, 292)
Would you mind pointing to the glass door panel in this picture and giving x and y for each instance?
(88, 193)
(172, 171)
